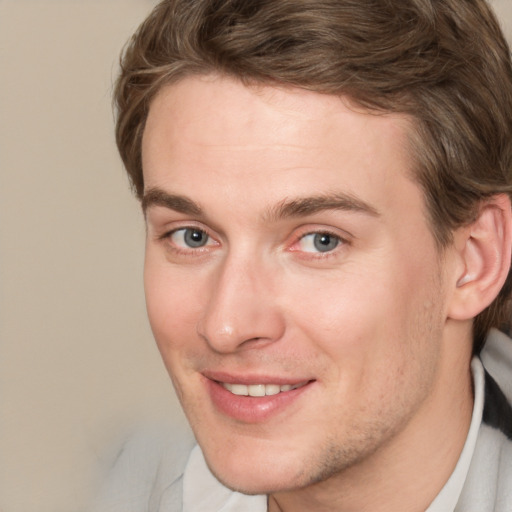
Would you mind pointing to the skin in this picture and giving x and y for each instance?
(366, 323)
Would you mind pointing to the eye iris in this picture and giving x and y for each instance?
(324, 242)
(195, 238)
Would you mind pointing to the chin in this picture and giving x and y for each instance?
(258, 474)
(255, 483)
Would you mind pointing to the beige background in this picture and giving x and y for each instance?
(77, 363)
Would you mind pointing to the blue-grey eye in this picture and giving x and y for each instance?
(190, 238)
(319, 242)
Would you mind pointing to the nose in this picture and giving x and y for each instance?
(242, 310)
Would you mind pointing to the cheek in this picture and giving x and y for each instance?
(173, 304)
(343, 307)
(369, 314)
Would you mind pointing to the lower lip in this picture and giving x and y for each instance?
(250, 409)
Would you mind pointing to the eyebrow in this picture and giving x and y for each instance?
(181, 204)
(304, 206)
(288, 208)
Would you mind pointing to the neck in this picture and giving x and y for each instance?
(408, 471)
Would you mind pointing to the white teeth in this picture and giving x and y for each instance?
(272, 389)
(239, 389)
(256, 389)
(260, 389)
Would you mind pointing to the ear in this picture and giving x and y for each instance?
(484, 253)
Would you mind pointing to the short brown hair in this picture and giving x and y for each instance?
(444, 63)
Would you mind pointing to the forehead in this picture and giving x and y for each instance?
(211, 130)
(220, 102)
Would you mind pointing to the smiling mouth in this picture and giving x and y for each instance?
(256, 390)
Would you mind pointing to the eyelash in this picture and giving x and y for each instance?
(168, 237)
(316, 255)
(294, 247)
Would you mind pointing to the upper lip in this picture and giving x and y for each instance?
(248, 378)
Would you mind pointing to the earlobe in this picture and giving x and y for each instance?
(484, 248)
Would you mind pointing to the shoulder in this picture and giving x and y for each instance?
(492, 466)
(497, 360)
(147, 470)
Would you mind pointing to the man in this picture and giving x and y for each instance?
(326, 187)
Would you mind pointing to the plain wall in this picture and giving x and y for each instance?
(77, 360)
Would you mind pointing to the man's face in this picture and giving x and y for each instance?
(288, 255)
